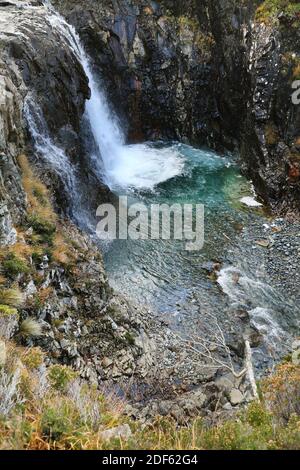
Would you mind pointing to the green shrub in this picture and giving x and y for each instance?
(12, 266)
(257, 415)
(42, 227)
(58, 422)
(129, 338)
(33, 358)
(288, 438)
(61, 376)
(282, 392)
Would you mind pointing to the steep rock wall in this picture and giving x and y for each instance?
(217, 73)
(155, 62)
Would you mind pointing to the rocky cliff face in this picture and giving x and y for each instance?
(34, 62)
(84, 324)
(205, 72)
(270, 136)
(218, 73)
(50, 273)
(211, 73)
(155, 63)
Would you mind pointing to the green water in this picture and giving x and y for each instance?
(160, 273)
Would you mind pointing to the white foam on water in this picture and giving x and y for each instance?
(259, 299)
(250, 202)
(141, 166)
(263, 321)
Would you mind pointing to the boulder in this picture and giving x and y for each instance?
(236, 397)
(119, 432)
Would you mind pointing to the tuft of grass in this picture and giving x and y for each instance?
(12, 297)
(32, 358)
(31, 327)
(61, 252)
(37, 193)
(6, 311)
(41, 216)
(44, 228)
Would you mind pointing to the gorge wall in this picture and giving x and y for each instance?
(216, 73)
(210, 73)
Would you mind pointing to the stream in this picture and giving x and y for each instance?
(222, 278)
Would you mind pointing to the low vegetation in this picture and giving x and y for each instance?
(52, 408)
(45, 406)
(269, 11)
(41, 238)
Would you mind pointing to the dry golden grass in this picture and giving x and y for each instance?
(54, 419)
(37, 194)
(21, 250)
(61, 250)
(296, 72)
(31, 328)
(271, 133)
(11, 297)
(45, 294)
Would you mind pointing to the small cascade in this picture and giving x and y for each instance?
(53, 156)
(268, 311)
(56, 159)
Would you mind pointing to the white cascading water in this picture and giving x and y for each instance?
(54, 155)
(261, 301)
(138, 166)
(57, 160)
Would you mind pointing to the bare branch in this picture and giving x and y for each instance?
(212, 345)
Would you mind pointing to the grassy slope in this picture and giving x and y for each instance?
(50, 407)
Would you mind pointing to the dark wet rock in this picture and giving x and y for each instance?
(155, 63)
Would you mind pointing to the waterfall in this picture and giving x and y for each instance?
(56, 159)
(139, 166)
(118, 165)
